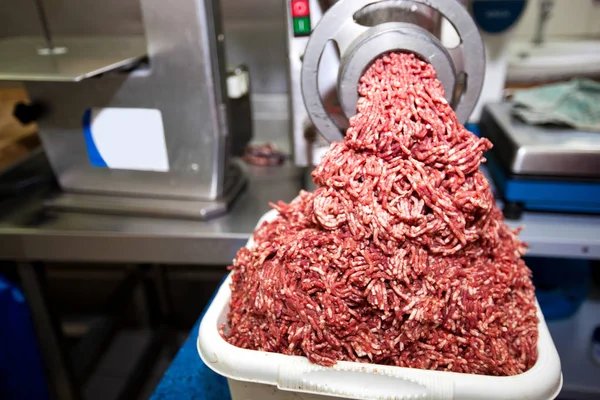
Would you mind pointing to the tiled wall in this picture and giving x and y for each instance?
(569, 18)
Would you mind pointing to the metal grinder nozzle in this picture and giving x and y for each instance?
(363, 30)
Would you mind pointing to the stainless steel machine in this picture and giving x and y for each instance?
(541, 168)
(134, 124)
(332, 43)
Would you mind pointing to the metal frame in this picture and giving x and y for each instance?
(68, 370)
(58, 367)
(89, 349)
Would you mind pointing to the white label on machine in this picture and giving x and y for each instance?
(126, 138)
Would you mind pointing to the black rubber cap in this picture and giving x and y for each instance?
(28, 113)
(513, 210)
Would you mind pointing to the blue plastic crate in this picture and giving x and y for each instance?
(22, 375)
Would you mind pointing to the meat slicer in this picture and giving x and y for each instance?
(332, 43)
(133, 123)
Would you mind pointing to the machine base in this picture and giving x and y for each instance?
(537, 193)
(150, 207)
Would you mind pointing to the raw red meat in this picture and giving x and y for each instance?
(400, 256)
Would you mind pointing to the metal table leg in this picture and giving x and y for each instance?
(58, 368)
(152, 293)
(163, 292)
(90, 348)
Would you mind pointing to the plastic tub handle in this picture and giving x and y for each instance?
(364, 382)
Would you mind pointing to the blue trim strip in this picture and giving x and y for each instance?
(555, 192)
(563, 207)
(94, 155)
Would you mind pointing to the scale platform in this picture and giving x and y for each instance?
(541, 168)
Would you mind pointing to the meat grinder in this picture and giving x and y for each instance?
(133, 112)
(327, 61)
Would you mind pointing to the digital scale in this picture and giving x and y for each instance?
(541, 168)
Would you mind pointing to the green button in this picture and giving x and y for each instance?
(302, 26)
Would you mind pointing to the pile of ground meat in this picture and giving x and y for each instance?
(400, 256)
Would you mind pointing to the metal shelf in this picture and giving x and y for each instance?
(560, 235)
(572, 338)
(24, 58)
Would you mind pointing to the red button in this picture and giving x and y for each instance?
(300, 8)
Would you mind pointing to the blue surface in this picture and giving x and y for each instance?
(473, 128)
(22, 375)
(546, 195)
(188, 377)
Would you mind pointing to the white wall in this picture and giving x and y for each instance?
(569, 18)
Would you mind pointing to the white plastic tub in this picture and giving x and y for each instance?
(257, 375)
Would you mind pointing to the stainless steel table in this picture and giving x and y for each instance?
(29, 235)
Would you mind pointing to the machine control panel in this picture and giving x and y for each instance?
(300, 11)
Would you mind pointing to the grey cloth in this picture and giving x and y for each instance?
(575, 103)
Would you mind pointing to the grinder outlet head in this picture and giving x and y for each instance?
(363, 30)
